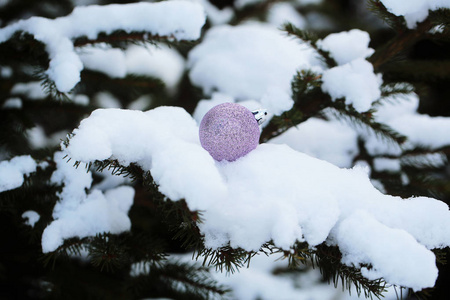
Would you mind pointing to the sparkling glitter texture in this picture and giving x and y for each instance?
(229, 131)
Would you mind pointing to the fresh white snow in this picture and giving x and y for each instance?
(81, 214)
(31, 217)
(283, 12)
(13, 103)
(414, 11)
(356, 81)
(252, 61)
(273, 193)
(12, 171)
(346, 46)
(332, 141)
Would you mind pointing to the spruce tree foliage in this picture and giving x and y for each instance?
(102, 266)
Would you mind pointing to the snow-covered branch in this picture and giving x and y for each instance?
(181, 20)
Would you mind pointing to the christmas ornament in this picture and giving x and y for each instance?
(229, 131)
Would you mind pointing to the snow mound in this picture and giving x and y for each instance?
(356, 81)
(78, 214)
(273, 193)
(347, 45)
(252, 61)
(31, 217)
(12, 171)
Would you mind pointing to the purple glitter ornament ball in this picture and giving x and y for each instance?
(229, 131)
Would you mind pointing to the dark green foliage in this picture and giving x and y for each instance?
(141, 263)
(328, 260)
(366, 120)
(309, 100)
(312, 39)
(395, 22)
(176, 280)
(441, 19)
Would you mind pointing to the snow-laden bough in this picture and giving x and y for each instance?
(273, 193)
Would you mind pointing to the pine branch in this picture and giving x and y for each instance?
(176, 280)
(13, 125)
(395, 89)
(121, 38)
(183, 222)
(441, 18)
(108, 251)
(328, 259)
(177, 215)
(419, 156)
(226, 258)
(299, 255)
(193, 280)
(252, 10)
(126, 88)
(22, 47)
(49, 86)
(72, 246)
(366, 120)
(419, 70)
(399, 44)
(311, 39)
(309, 100)
(131, 171)
(395, 22)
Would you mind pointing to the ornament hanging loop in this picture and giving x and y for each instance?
(260, 115)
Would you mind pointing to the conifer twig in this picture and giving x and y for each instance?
(399, 43)
(121, 36)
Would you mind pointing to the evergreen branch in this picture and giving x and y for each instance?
(431, 160)
(441, 255)
(183, 222)
(108, 251)
(366, 120)
(146, 248)
(304, 35)
(131, 171)
(425, 294)
(441, 18)
(225, 258)
(70, 247)
(252, 10)
(309, 100)
(398, 44)
(13, 136)
(420, 70)
(311, 39)
(22, 47)
(394, 89)
(423, 150)
(177, 215)
(299, 255)
(395, 22)
(176, 280)
(328, 259)
(49, 86)
(99, 81)
(121, 38)
(193, 279)
(422, 153)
